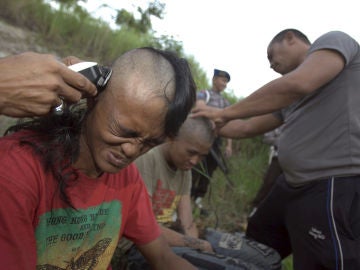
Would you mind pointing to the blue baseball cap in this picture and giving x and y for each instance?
(221, 73)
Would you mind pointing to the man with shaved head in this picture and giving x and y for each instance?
(166, 171)
(67, 182)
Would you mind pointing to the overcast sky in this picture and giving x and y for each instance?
(233, 35)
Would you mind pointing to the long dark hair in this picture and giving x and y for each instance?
(185, 92)
(55, 139)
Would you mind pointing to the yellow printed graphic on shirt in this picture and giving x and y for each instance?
(164, 202)
(78, 239)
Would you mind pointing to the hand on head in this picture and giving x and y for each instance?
(31, 84)
(212, 113)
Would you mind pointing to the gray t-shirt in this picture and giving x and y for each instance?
(321, 137)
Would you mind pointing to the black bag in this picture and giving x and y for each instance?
(200, 259)
(238, 246)
(232, 252)
(212, 261)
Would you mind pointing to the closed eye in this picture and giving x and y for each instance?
(120, 131)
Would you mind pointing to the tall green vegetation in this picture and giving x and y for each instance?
(229, 197)
(71, 30)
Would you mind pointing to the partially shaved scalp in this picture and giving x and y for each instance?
(200, 128)
(144, 74)
(147, 73)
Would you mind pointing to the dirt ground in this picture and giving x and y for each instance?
(14, 40)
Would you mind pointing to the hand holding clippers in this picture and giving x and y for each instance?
(98, 75)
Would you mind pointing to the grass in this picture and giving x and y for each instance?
(229, 206)
(70, 31)
(73, 31)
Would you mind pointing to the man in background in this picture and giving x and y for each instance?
(203, 172)
(166, 171)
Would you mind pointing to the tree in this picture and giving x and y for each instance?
(69, 2)
(142, 25)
